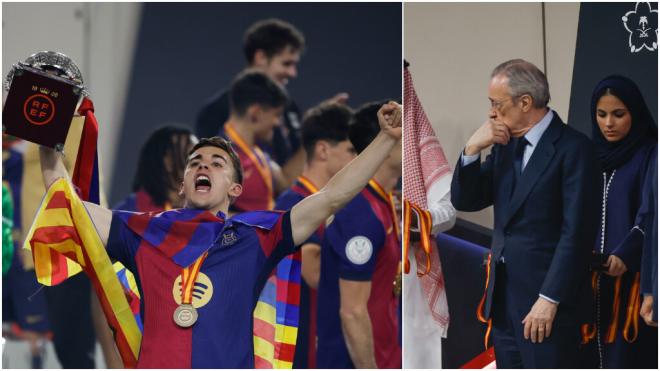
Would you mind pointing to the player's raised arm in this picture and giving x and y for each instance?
(53, 169)
(307, 215)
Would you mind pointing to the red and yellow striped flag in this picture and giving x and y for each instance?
(64, 241)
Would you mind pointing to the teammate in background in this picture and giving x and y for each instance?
(161, 165)
(357, 304)
(325, 139)
(273, 47)
(257, 103)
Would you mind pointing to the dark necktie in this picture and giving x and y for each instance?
(519, 151)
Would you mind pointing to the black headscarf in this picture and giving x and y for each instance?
(643, 128)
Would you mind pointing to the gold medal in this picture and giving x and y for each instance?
(185, 315)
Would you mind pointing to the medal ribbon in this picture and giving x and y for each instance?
(387, 197)
(309, 186)
(258, 158)
(425, 221)
(589, 329)
(611, 329)
(480, 308)
(85, 173)
(188, 278)
(631, 325)
(632, 315)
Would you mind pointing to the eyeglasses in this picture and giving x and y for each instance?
(498, 104)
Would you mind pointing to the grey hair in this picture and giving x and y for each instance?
(525, 78)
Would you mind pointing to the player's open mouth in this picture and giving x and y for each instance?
(202, 183)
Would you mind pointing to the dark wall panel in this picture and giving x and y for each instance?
(603, 48)
(188, 51)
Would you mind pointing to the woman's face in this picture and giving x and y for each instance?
(613, 118)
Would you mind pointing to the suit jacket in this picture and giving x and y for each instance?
(544, 229)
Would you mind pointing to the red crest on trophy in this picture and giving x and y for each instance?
(42, 99)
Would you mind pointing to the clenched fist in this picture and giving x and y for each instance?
(492, 131)
(389, 118)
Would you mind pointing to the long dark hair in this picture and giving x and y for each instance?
(643, 129)
(151, 174)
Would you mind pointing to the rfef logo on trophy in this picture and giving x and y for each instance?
(642, 24)
(43, 93)
(39, 109)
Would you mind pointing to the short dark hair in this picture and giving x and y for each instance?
(226, 146)
(151, 174)
(327, 121)
(364, 126)
(253, 87)
(272, 36)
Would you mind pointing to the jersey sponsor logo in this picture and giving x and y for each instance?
(359, 250)
(202, 290)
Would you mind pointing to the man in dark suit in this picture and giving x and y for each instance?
(541, 179)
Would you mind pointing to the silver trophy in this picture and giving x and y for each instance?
(44, 91)
(48, 61)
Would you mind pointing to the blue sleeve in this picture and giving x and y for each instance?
(123, 243)
(472, 183)
(277, 242)
(288, 200)
(648, 219)
(630, 250)
(356, 236)
(316, 238)
(128, 204)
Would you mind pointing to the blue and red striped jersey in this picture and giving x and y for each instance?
(361, 244)
(242, 252)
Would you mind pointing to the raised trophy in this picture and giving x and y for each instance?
(43, 92)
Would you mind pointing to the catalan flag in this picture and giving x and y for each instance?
(64, 241)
